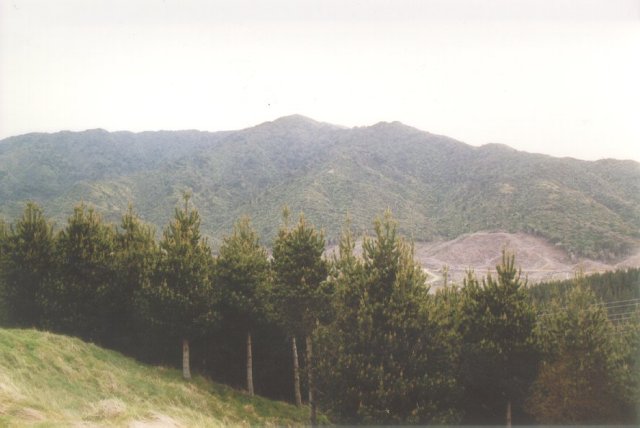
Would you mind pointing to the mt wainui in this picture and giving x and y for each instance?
(437, 188)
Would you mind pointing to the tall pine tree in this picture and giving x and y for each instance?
(136, 259)
(180, 299)
(499, 353)
(299, 293)
(241, 270)
(587, 372)
(385, 360)
(86, 274)
(26, 264)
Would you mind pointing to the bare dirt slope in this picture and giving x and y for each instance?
(481, 251)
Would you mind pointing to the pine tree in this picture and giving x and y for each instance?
(26, 262)
(241, 269)
(587, 373)
(180, 299)
(499, 353)
(136, 259)
(86, 274)
(299, 293)
(385, 358)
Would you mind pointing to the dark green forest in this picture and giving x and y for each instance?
(360, 339)
(611, 287)
(437, 187)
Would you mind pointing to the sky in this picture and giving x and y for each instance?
(559, 77)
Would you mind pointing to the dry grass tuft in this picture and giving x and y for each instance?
(155, 420)
(106, 409)
(30, 415)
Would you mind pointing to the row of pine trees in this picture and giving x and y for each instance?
(357, 331)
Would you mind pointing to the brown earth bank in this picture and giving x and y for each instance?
(482, 251)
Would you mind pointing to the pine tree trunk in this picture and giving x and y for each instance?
(186, 370)
(509, 414)
(249, 365)
(296, 373)
(312, 385)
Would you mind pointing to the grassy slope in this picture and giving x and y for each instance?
(53, 380)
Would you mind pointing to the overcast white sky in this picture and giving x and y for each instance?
(552, 76)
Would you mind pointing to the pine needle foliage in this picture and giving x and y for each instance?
(180, 299)
(86, 249)
(299, 292)
(589, 371)
(26, 266)
(384, 358)
(241, 270)
(499, 353)
(136, 260)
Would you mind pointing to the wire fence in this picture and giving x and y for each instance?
(618, 311)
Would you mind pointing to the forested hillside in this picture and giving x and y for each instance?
(622, 285)
(437, 187)
(356, 335)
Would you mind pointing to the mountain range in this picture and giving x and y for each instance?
(437, 188)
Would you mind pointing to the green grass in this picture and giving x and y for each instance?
(53, 380)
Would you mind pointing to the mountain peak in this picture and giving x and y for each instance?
(395, 127)
(394, 124)
(294, 122)
(498, 146)
(296, 119)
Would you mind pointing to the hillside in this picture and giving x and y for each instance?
(438, 188)
(482, 251)
(62, 381)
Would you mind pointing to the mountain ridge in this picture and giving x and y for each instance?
(438, 187)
